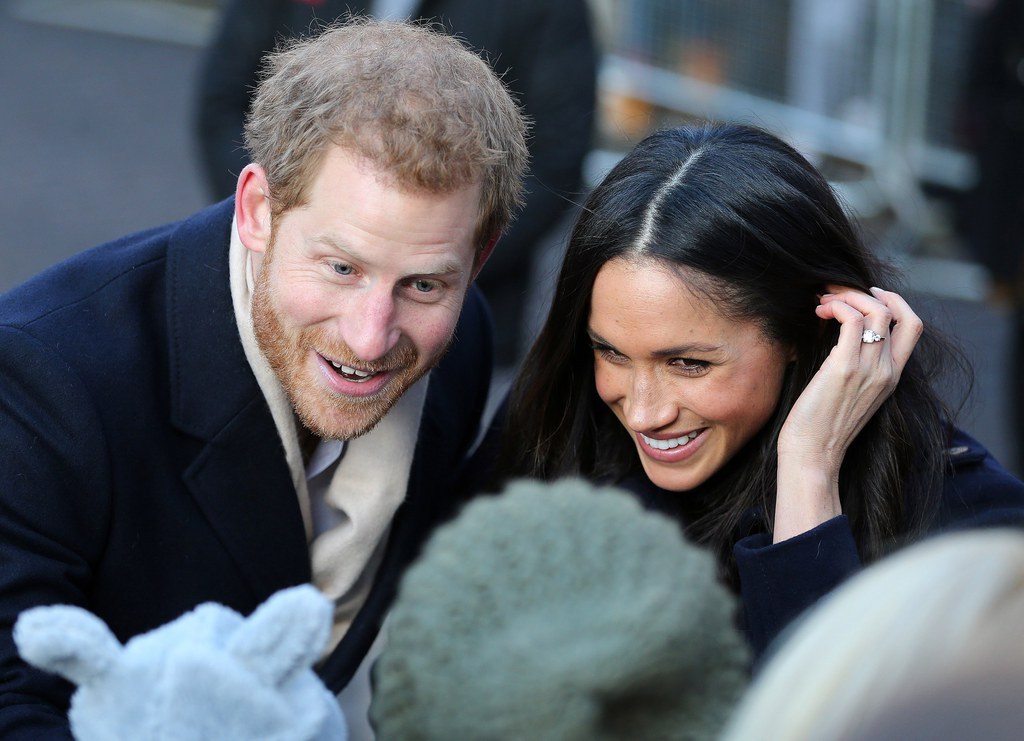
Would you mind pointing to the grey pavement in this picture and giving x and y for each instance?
(94, 129)
(95, 142)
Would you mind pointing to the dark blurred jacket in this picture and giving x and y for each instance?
(991, 126)
(545, 52)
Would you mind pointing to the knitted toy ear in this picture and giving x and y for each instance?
(285, 635)
(66, 640)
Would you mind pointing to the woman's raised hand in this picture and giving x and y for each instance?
(878, 333)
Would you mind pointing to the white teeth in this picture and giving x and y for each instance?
(669, 444)
(350, 371)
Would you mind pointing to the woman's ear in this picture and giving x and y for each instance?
(252, 208)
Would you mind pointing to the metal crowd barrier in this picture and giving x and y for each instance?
(869, 87)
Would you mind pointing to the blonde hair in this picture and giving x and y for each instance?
(945, 608)
(415, 102)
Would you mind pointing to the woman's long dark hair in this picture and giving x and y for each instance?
(763, 234)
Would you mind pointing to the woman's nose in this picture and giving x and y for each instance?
(648, 407)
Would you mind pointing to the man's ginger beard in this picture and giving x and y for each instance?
(328, 415)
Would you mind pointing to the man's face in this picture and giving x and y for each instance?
(359, 291)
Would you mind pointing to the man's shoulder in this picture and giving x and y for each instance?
(459, 385)
(120, 272)
(471, 346)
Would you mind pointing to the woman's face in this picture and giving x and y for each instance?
(690, 386)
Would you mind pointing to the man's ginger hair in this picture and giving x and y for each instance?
(413, 101)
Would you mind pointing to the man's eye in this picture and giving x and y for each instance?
(342, 269)
(424, 286)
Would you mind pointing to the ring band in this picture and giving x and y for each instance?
(870, 336)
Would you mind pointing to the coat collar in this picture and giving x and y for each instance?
(239, 477)
(203, 337)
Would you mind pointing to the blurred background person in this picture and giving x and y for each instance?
(946, 612)
(992, 128)
(981, 702)
(544, 51)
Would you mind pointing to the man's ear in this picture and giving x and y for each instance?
(485, 253)
(252, 208)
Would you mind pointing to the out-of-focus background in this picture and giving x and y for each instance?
(96, 105)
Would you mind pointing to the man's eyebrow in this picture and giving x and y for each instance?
(328, 241)
(447, 268)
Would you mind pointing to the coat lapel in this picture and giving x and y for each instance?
(240, 478)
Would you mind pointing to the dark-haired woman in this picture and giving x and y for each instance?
(717, 344)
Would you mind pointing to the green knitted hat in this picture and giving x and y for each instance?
(559, 611)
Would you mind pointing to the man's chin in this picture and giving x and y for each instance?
(344, 426)
(348, 419)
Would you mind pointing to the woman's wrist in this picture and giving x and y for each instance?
(807, 494)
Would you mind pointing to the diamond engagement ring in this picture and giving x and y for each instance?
(870, 336)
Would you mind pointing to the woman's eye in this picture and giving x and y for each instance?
(342, 269)
(691, 365)
(607, 353)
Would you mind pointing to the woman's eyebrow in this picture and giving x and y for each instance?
(687, 349)
(675, 351)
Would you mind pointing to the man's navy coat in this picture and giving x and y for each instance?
(140, 469)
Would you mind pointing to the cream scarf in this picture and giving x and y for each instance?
(367, 485)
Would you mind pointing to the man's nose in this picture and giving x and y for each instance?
(372, 328)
